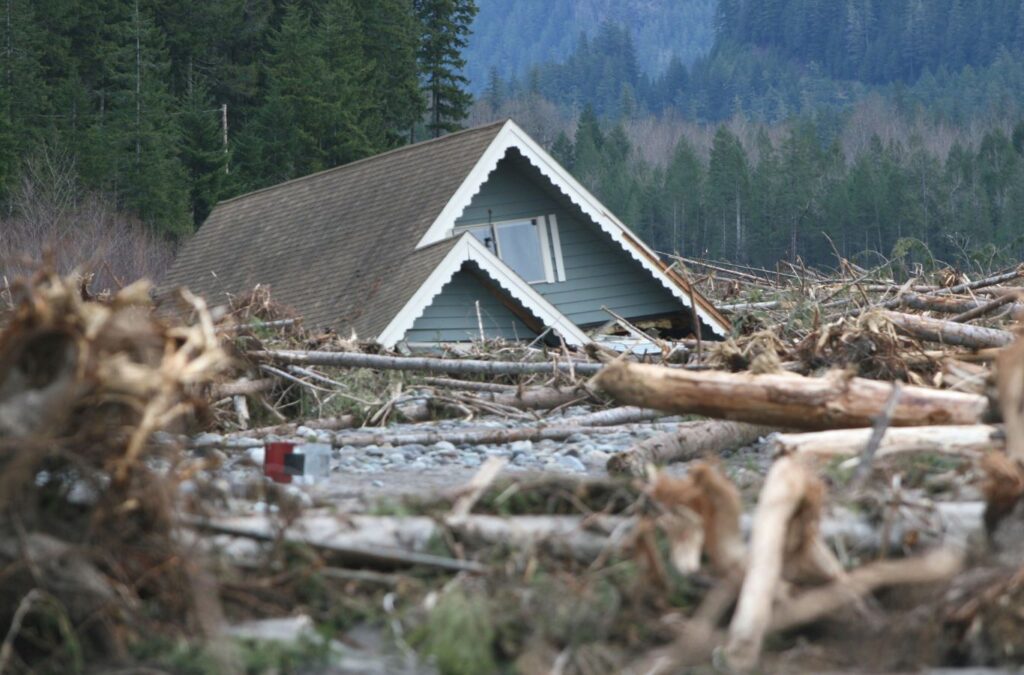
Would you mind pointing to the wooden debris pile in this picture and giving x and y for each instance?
(88, 557)
(970, 408)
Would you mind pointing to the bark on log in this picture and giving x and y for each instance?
(947, 332)
(242, 387)
(984, 309)
(467, 437)
(324, 423)
(426, 364)
(389, 541)
(690, 441)
(788, 401)
(539, 398)
(748, 306)
(614, 416)
(397, 543)
(968, 440)
(939, 303)
(959, 288)
(448, 383)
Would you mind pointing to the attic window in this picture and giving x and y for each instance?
(527, 246)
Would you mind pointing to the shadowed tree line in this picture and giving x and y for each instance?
(138, 96)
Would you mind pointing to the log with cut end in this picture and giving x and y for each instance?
(973, 440)
(690, 441)
(948, 332)
(788, 401)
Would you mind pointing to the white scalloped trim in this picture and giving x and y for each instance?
(511, 136)
(469, 249)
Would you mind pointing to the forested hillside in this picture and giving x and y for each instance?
(159, 108)
(876, 128)
(509, 37)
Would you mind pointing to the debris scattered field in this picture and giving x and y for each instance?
(845, 470)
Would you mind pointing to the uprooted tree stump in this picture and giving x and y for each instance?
(86, 524)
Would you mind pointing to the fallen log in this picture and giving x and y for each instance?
(400, 545)
(467, 385)
(690, 441)
(785, 400)
(388, 541)
(959, 288)
(614, 417)
(748, 306)
(244, 387)
(467, 437)
(984, 309)
(923, 302)
(947, 332)
(968, 440)
(538, 398)
(291, 428)
(426, 364)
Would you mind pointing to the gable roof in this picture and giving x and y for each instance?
(512, 136)
(339, 246)
(467, 248)
(353, 247)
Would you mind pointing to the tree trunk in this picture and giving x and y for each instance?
(950, 333)
(790, 401)
(691, 440)
(969, 440)
(431, 365)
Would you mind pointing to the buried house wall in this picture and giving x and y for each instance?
(597, 271)
(452, 316)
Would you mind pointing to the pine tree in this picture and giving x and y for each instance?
(354, 127)
(683, 189)
(444, 26)
(202, 152)
(390, 39)
(287, 138)
(728, 184)
(23, 91)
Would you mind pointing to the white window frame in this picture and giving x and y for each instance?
(548, 243)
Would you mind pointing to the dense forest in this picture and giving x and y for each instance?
(810, 127)
(509, 37)
(163, 107)
(891, 127)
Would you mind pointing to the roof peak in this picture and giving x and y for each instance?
(364, 160)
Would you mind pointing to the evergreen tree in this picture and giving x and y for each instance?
(728, 183)
(444, 26)
(203, 155)
(683, 191)
(390, 41)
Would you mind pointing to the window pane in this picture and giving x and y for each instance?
(484, 235)
(519, 244)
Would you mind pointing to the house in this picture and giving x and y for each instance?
(435, 242)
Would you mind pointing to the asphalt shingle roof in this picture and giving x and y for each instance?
(337, 246)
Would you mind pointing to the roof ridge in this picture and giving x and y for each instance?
(364, 160)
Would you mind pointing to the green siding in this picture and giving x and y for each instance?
(597, 271)
(451, 317)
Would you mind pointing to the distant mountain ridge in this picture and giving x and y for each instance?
(660, 29)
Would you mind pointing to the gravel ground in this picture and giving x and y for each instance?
(364, 474)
